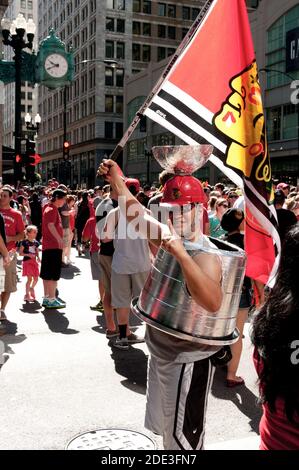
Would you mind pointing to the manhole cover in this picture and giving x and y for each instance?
(111, 439)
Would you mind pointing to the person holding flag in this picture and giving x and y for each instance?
(180, 372)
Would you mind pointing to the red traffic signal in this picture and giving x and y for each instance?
(35, 159)
(66, 150)
(18, 158)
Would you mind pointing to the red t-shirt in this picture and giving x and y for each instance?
(13, 225)
(90, 233)
(51, 215)
(276, 431)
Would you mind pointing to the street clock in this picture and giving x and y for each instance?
(54, 66)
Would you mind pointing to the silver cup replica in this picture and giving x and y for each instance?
(165, 302)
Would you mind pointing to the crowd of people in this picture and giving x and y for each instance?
(40, 225)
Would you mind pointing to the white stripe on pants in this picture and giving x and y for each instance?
(177, 396)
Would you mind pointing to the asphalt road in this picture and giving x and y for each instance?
(62, 378)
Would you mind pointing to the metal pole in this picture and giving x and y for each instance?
(18, 123)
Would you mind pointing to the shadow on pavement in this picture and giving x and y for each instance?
(31, 307)
(132, 365)
(7, 340)
(58, 323)
(70, 272)
(244, 399)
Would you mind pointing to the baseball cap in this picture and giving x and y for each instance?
(282, 186)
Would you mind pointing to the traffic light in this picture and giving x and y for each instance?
(29, 159)
(30, 153)
(66, 150)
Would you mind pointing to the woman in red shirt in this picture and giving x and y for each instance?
(275, 335)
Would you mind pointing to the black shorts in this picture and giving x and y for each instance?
(51, 265)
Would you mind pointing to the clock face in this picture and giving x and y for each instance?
(56, 65)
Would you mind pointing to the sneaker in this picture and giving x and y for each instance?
(45, 302)
(121, 343)
(55, 304)
(62, 302)
(111, 333)
(134, 339)
(98, 306)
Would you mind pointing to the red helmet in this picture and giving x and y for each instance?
(183, 190)
(133, 183)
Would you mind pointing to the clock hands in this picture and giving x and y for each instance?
(54, 65)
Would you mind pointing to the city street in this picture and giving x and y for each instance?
(61, 378)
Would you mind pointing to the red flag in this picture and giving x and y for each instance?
(212, 94)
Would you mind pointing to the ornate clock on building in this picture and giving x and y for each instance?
(56, 65)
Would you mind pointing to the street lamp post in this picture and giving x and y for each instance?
(13, 35)
(269, 69)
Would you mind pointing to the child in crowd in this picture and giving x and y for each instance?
(29, 249)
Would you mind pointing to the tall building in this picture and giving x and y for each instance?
(29, 103)
(132, 33)
(3, 7)
(275, 32)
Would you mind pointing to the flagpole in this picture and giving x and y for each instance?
(120, 146)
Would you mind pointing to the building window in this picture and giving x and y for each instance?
(195, 13)
(170, 51)
(109, 76)
(108, 130)
(290, 122)
(109, 24)
(274, 123)
(146, 53)
(109, 49)
(276, 48)
(137, 6)
(147, 7)
(120, 78)
(120, 25)
(186, 13)
(136, 52)
(161, 31)
(136, 27)
(120, 50)
(23, 4)
(184, 32)
(146, 29)
(171, 32)
(171, 11)
(162, 9)
(119, 130)
(119, 104)
(108, 103)
(161, 53)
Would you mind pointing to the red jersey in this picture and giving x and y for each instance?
(276, 431)
(14, 224)
(51, 215)
(90, 233)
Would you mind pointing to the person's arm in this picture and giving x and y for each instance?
(132, 209)
(4, 252)
(202, 273)
(15, 238)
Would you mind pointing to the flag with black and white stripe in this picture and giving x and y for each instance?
(212, 95)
